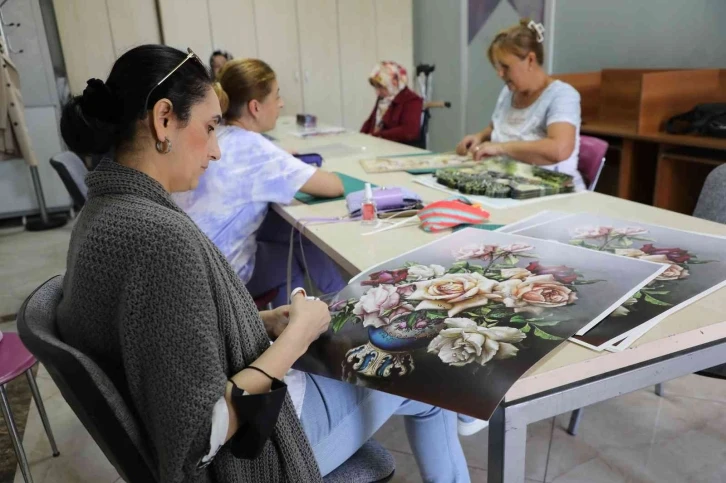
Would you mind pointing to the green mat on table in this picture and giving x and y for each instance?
(482, 226)
(350, 185)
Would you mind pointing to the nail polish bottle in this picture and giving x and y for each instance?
(369, 215)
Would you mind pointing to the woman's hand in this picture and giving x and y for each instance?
(308, 320)
(275, 320)
(467, 143)
(487, 149)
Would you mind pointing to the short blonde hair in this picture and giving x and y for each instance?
(518, 40)
(239, 82)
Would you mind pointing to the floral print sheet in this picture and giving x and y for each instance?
(456, 322)
(694, 266)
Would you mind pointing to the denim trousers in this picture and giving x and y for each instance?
(338, 418)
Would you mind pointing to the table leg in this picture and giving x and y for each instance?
(507, 448)
(626, 185)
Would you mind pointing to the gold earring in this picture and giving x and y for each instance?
(163, 147)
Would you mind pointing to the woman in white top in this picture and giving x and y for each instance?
(537, 118)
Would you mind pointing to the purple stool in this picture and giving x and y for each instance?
(14, 360)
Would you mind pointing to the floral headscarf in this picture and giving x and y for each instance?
(393, 77)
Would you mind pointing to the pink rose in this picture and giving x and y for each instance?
(674, 272)
(386, 276)
(534, 294)
(380, 306)
(469, 252)
(586, 233)
(516, 248)
(629, 231)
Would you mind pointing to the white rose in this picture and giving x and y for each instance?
(453, 292)
(623, 310)
(629, 252)
(516, 272)
(463, 342)
(422, 272)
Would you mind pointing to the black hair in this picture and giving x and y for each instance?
(223, 53)
(105, 116)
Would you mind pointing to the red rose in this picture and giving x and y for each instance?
(675, 255)
(386, 277)
(562, 273)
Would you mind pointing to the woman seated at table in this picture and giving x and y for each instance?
(151, 299)
(217, 61)
(232, 199)
(397, 113)
(537, 118)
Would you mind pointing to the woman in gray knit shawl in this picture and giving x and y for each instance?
(151, 299)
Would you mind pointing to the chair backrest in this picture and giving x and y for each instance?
(592, 159)
(72, 172)
(87, 389)
(712, 201)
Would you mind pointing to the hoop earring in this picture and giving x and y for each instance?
(163, 147)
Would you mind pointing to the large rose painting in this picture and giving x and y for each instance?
(692, 264)
(467, 315)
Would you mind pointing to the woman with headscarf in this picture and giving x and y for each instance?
(397, 113)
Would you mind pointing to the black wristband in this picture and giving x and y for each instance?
(257, 415)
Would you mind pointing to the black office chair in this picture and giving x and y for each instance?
(105, 414)
(86, 388)
(72, 172)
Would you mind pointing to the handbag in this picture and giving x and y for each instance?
(310, 158)
(387, 200)
(704, 119)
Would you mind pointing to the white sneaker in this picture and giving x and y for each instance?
(467, 426)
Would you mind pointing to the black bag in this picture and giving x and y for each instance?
(705, 119)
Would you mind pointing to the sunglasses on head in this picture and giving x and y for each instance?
(190, 55)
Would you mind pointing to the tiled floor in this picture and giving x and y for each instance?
(636, 438)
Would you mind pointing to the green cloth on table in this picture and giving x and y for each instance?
(350, 185)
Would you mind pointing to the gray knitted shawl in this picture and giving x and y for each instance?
(155, 303)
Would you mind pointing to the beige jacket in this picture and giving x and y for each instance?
(14, 137)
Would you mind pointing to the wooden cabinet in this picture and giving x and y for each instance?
(357, 26)
(320, 59)
(278, 45)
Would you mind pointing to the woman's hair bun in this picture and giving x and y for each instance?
(89, 123)
(223, 97)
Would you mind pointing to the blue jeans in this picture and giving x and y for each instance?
(270, 272)
(338, 418)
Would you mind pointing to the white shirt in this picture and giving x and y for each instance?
(559, 102)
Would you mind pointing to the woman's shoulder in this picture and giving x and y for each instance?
(408, 95)
(235, 140)
(560, 89)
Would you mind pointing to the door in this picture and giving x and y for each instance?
(277, 44)
(357, 25)
(320, 59)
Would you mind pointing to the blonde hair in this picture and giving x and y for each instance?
(518, 40)
(241, 81)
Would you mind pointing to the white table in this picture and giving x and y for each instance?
(571, 376)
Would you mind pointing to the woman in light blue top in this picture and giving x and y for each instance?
(537, 118)
(233, 197)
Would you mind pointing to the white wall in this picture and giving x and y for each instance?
(597, 34)
(439, 38)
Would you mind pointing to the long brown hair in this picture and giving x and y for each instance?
(241, 81)
(518, 40)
